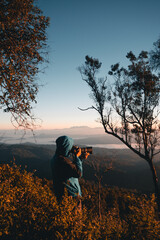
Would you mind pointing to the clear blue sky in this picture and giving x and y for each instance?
(103, 29)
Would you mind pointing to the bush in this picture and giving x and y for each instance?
(27, 205)
(29, 210)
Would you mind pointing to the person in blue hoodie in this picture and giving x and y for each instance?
(66, 171)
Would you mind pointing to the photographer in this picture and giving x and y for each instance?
(66, 171)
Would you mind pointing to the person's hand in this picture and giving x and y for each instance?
(78, 152)
(85, 155)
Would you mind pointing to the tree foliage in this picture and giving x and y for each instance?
(133, 115)
(22, 48)
(134, 97)
(136, 100)
(155, 55)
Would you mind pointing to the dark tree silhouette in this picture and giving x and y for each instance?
(22, 48)
(132, 105)
(155, 55)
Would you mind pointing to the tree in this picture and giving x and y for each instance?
(133, 112)
(22, 48)
(155, 55)
(99, 173)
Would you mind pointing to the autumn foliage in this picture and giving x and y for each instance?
(29, 210)
(22, 48)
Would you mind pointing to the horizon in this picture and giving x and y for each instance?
(60, 128)
(81, 135)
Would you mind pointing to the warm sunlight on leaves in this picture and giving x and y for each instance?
(29, 210)
(22, 49)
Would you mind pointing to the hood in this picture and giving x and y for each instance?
(64, 145)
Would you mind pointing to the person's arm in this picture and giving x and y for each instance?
(72, 169)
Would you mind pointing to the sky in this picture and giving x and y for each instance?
(103, 29)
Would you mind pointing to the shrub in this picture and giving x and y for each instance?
(27, 205)
(29, 210)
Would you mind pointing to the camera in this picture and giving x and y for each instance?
(86, 150)
(83, 150)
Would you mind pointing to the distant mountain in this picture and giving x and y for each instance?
(74, 132)
(98, 139)
(49, 136)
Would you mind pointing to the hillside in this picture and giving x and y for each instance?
(29, 210)
(128, 171)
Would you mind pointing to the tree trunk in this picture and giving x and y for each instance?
(99, 198)
(155, 181)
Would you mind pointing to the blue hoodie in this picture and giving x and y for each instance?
(65, 172)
